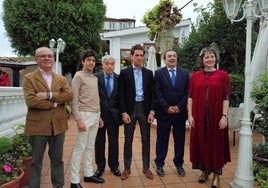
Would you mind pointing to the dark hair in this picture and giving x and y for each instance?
(87, 53)
(164, 56)
(137, 47)
(202, 53)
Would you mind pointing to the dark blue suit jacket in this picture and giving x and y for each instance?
(166, 95)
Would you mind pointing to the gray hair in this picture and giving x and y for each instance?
(104, 58)
(38, 50)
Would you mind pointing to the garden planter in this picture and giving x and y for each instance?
(26, 178)
(14, 183)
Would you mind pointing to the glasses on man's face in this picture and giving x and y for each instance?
(49, 56)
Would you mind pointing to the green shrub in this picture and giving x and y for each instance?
(237, 89)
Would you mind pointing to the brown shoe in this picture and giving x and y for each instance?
(125, 174)
(148, 173)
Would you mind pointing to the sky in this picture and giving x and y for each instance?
(115, 9)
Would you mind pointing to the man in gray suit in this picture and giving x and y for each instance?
(110, 118)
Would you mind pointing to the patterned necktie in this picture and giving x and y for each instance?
(173, 76)
(108, 86)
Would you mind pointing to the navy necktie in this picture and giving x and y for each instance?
(108, 86)
(173, 77)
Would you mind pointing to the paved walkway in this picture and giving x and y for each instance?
(137, 178)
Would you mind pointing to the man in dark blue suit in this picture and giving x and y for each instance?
(171, 92)
(110, 118)
(136, 98)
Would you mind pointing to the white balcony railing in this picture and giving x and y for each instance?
(12, 110)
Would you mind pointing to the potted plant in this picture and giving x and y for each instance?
(259, 95)
(23, 150)
(11, 168)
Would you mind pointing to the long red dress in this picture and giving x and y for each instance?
(209, 145)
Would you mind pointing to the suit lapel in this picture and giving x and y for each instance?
(102, 82)
(177, 74)
(102, 85)
(130, 74)
(55, 82)
(115, 83)
(41, 80)
(167, 75)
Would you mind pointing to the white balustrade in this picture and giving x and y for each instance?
(12, 110)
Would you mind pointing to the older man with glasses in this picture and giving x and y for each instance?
(45, 95)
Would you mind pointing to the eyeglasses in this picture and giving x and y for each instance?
(49, 56)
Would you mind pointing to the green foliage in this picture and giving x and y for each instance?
(21, 143)
(32, 23)
(260, 174)
(237, 89)
(259, 95)
(10, 165)
(21, 146)
(213, 26)
(164, 16)
(5, 144)
(260, 150)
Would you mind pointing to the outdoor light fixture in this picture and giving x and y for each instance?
(244, 175)
(59, 49)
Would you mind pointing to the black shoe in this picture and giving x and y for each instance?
(94, 179)
(181, 171)
(160, 171)
(98, 173)
(76, 185)
(116, 172)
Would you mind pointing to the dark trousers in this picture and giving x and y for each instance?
(139, 115)
(112, 131)
(55, 152)
(163, 133)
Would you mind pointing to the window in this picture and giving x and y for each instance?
(112, 25)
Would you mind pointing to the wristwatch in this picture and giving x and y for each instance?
(48, 95)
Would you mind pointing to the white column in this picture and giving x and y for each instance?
(244, 176)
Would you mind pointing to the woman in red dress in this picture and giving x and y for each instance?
(208, 105)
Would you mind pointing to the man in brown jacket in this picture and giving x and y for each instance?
(46, 122)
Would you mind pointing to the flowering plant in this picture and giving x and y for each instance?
(10, 166)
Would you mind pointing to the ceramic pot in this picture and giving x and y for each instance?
(26, 178)
(14, 183)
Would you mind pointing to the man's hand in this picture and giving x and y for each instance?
(81, 127)
(173, 109)
(101, 123)
(126, 119)
(150, 118)
(41, 95)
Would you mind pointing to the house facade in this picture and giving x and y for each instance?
(120, 41)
